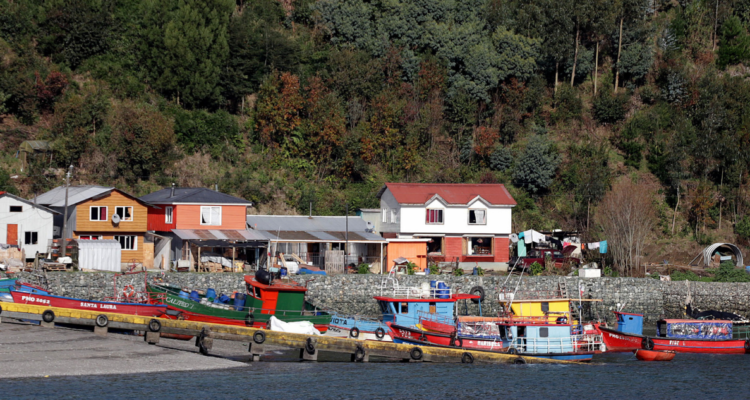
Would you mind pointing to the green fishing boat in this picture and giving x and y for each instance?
(284, 300)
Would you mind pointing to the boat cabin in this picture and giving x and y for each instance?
(551, 310)
(629, 322)
(539, 338)
(278, 296)
(694, 329)
(407, 311)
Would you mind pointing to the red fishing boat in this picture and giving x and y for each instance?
(653, 355)
(682, 336)
(90, 305)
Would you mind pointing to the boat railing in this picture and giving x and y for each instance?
(565, 344)
(390, 287)
(439, 318)
(508, 295)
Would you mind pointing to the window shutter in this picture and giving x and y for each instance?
(103, 214)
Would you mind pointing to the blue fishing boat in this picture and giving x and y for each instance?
(400, 305)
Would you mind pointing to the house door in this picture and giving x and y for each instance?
(12, 234)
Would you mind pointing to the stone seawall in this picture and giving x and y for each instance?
(352, 294)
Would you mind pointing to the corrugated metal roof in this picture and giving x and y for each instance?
(35, 145)
(273, 223)
(313, 236)
(192, 195)
(76, 194)
(22, 200)
(215, 234)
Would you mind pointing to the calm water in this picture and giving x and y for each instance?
(613, 376)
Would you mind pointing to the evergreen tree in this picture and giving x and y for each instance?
(734, 45)
(537, 165)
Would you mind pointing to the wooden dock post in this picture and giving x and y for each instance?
(152, 337)
(203, 342)
(256, 350)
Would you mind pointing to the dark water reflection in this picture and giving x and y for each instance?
(611, 376)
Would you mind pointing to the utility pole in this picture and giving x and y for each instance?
(65, 214)
(346, 248)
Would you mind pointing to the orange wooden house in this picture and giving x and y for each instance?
(98, 213)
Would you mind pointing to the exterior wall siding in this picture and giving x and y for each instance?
(455, 220)
(388, 203)
(157, 218)
(30, 219)
(502, 252)
(453, 248)
(189, 217)
(138, 224)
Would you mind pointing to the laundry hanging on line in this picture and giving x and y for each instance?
(603, 247)
(521, 249)
(592, 246)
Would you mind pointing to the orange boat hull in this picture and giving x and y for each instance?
(652, 355)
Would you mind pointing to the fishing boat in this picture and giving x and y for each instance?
(400, 305)
(654, 355)
(284, 300)
(682, 336)
(49, 300)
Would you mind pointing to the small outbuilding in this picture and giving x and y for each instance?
(34, 148)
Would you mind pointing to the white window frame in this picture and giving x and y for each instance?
(168, 215)
(132, 210)
(30, 232)
(442, 216)
(468, 216)
(394, 216)
(99, 213)
(211, 222)
(385, 215)
(134, 241)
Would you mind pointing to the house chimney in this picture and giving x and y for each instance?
(216, 187)
(172, 195)
(310, 210)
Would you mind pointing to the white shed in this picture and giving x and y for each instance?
(102, 255)
(25, 224)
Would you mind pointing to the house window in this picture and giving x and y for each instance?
(433, 308)
(89, 237)
(168, 215)
(394, 216)
(435, 245)
(210, 215)
(543, 332)
(404, 308)
(480, 246)
(31, 237)
(434, 217)
(16, 208)
(385, 215)
(125, 213)
(98, 213)
(477, 217)
(129, 242)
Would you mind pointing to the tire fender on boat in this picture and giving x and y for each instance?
(747, 345)
(154, 325)
(416, 353)
(457, 342)
(354, 332)
(249, 319)
(512, 350)
(480, 293)
(48, 316)
(101, 320)
(259, 337)
(467, 358)
(519, 360)
(647, 343)
(380, 333)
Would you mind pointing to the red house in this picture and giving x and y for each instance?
(202, 216)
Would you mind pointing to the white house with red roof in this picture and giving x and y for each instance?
(471, 222)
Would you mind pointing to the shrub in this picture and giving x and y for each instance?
(567, 104)
(734, 43)
(728, 273)
(501, 158)
(537, 165)
(411, 268)
(458, 272)
(536, 269)
(434, 269)
(609, 108)
(742, 229)
(363, 269)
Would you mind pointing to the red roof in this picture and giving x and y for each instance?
(2, 193)
(452, 193)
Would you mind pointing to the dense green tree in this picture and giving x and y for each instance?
(184, 47)
(537, 165)
(734, 45)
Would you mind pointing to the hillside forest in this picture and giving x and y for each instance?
(628, 120)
